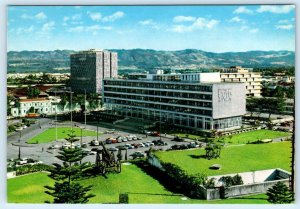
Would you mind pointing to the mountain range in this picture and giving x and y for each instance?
(135, 60)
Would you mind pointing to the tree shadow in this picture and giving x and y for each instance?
(160, 176)
(198, 156)
(145, 193)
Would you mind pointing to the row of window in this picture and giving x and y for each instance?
(147, 93)
(178, 86)
(170, 107)
(178, 101)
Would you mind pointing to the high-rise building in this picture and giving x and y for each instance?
(197, 101)
(245, 75)
(89, 68)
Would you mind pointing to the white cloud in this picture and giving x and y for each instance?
(113, 17)
(242, 10)
(40, 16)
(77, 7)
(76, 17)
(254, 30)
(48, 26)
(244, 27)
(199, 23)
(283, 21)
(149, 22)
(76, 29)
(276, 9)
(95, 16)
(285, 27)
(237, 19)
(92, 28)
(25, 30)
(184, 19)
(66, 18)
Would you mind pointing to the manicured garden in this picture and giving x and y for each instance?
(238, 158)
(141, 188)
(62, 132)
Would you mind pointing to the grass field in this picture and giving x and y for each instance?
(239, 158)
(252, 136)
(244, 138)
(62, 132)
(141, 188)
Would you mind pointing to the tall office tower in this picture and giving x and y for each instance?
(89, 68)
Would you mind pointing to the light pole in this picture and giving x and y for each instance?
(20, 136)
(80, 133)
(55, 117)
(84, 108)
(71, 109)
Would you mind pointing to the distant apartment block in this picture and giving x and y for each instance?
(251, 79)
(197, 101)
(89, 68)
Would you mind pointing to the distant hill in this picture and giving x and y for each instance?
(146, 59)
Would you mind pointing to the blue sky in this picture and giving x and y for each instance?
(208, 28)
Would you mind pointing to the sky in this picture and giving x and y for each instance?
(210, 28)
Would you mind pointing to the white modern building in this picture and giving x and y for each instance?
(198, 101)
(239, 74)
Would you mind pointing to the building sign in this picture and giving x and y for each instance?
(224, 95)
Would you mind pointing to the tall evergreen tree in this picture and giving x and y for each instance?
(66, 189)
(280, 194)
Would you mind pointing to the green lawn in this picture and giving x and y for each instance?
(239, 158)
(243, 138)
(141, 188)
(62, 132)
(251, 136)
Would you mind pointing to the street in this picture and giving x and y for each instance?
(42, 153)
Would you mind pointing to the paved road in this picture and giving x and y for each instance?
(41, 152)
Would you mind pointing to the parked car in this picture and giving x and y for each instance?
(141, 145)
(192, 145)
(84, 145)
(110, 131)
(138, 154)
(94, 142)
(113, 149)
(124, 139)
(129, 146)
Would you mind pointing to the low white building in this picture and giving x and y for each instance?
(37, 105)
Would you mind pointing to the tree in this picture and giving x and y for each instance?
(280, 194)
(33, 92)
(66, 189)
(252, 104)
(272, 105)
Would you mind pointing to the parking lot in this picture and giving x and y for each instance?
(138, 142)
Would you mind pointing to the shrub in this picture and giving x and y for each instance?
(229, 181)
(190, 183)
(31, 169)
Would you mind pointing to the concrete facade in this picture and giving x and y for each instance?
(89, 68)
(239, 74)
(190, 104)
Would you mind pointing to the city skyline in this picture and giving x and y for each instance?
(209, 28)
